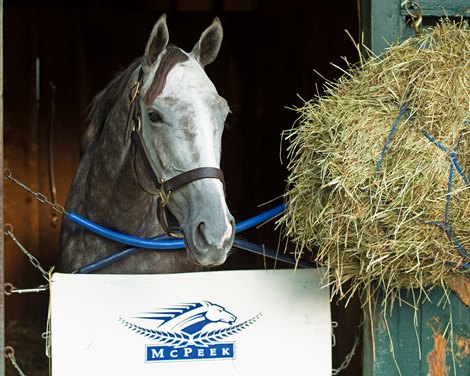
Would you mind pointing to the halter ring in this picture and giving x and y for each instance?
(139, 124)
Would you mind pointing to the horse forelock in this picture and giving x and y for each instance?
(172, 56)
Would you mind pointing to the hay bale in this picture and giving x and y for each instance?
(369, 185)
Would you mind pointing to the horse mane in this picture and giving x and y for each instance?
(105, 100)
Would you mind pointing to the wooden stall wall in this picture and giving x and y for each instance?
(67, 51)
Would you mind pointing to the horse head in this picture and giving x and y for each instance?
(181, 123)
(217, 313)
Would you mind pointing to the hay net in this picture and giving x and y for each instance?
(379, 165)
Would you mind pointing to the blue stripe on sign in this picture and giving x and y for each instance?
(191, 352)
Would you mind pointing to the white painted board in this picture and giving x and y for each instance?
(207, 323)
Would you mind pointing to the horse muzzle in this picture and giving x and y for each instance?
(209, 244)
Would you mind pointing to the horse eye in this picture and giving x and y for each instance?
(155, 117)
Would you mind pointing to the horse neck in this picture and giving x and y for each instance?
(113, 194)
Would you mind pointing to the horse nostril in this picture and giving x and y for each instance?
(211, 241)
(208, 236)
(233, 224)
(200, 231)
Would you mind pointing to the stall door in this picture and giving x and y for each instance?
(434, 338)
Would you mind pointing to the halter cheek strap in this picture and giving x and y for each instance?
(134, 117)
(164, 187)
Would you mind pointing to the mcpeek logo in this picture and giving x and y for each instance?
(190, 331)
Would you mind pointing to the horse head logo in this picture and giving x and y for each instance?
(192, 318)
(201, 324)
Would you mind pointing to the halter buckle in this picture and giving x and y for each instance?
(163, 195)
(135, 91)
(134, 115)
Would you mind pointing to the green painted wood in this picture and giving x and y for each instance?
(449, 320)
(387, 21)
(442, 8)
(387, 334)
(413, 334)
(385, 24)
(416, 336)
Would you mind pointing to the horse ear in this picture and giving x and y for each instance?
(157, 42)
(206, 49)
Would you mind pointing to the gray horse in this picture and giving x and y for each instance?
(152, 151)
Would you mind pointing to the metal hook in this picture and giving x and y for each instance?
(10, 354)
(8, 229)
(416, 17)
(416, 22)
(7, 173)
(8, 289)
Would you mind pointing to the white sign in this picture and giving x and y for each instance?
(210, 323)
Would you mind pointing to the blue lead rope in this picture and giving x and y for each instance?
(237, 243)
(163, 242)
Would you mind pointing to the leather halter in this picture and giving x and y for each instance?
(164, 187)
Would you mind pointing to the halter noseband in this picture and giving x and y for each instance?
(165, 187)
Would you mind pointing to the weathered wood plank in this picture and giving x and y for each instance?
(433, 339)
(391, 340)
(460, 285)
(442, 8)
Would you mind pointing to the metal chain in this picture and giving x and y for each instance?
(348, 358)
(8, 230)
(38, 195)
(10, 354)
(9, 289)
(334, 325)
(47, 337)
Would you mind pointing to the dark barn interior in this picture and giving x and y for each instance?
(57, 57)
